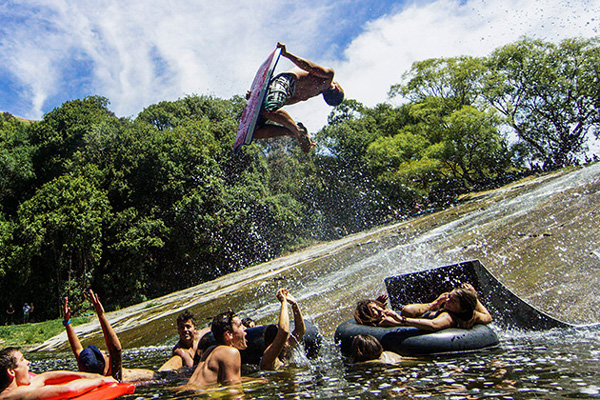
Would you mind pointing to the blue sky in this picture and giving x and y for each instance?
(140, 52)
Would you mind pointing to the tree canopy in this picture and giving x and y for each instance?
(139, 207)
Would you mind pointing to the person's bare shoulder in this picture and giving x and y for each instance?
(226, 353)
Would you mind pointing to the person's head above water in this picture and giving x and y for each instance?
(334, 95)
(461, 302)
(186, 327)
(9, 366)
(228, 330)
(365, 348)
(369, 312)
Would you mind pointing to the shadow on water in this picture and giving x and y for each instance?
(538, 237)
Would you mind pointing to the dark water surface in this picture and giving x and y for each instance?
(558, 364)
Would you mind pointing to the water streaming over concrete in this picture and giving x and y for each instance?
(539, 237)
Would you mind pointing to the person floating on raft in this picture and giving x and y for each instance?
(459, 308)
(16, 383)
(304, 81)
(92, 359)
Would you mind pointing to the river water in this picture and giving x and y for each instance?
(539, 237)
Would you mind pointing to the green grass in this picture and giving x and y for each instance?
(34, 333)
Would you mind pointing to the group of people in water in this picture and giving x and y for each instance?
(212, 354)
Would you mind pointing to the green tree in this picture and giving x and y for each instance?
(16, 166)
(61, 228)
(549, 94)
(61, 133)
(455, 81)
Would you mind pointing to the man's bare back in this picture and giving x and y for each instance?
(222, 364)
(308, 85)
(219, 367)
(307, 81)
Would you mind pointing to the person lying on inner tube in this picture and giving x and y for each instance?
(459, 308)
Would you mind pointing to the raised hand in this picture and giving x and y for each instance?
(282, 47)
(281, 295)
(468, 286)
(382, 299)
(96, 302)
(66, 309)
(290, 298)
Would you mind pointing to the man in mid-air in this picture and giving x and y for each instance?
(304, 81)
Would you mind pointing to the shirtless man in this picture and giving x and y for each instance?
(185, 349)
(304, 81)
(91, 359)
(17, 384)
(277, 338)
(222, 363)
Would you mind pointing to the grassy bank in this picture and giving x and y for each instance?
(26, 335)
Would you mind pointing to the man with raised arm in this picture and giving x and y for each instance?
(304, 81)
(17, 384)
(222, 363)
(91, 359)
(279, 343)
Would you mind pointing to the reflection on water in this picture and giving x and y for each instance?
(548, 365)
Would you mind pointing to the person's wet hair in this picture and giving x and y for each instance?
(365, 348)
(467, 301)
(363, 313)
(333, 97)
(7, 361)
(222, 323)
(186, 316)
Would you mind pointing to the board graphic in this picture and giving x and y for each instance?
(254, 105)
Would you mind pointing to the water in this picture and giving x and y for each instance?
(539, 237)
(558, 364)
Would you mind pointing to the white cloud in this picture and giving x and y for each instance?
(378, 58)
(145, 51)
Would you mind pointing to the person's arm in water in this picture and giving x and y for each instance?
(306, 65)
(299, 327)
(230, 366)
(283, 331)
(110, 337)
(481, 314)
(71, 335)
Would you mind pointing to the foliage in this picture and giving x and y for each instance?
(137, 208)
(549, 94)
